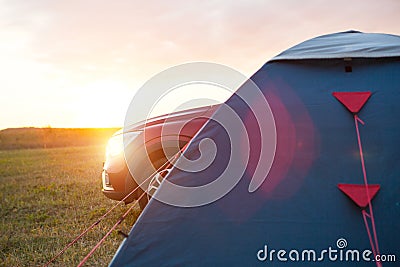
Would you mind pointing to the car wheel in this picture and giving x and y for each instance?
(154, 183)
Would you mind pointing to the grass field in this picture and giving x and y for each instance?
(30, 137)
(48, 196)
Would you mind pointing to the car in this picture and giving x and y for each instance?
(149, 142)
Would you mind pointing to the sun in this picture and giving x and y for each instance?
(102, 104)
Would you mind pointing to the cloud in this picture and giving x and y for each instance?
(152, 33)
(80, 42)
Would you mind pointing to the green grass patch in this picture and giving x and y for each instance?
(48, 196)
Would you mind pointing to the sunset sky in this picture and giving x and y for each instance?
(78, 63)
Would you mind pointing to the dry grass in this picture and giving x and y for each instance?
(48, 196)
(19, 138)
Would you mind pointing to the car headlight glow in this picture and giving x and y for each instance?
(115, 145)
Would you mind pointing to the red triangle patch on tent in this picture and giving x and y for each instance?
(353, 101)
(358, 194)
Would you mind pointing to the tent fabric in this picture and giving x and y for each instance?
(298, 206)
(358, 193)
(353, 101)
(350, 44)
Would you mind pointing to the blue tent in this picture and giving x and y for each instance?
(336, 104)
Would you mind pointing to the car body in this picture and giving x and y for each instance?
(150, 142)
